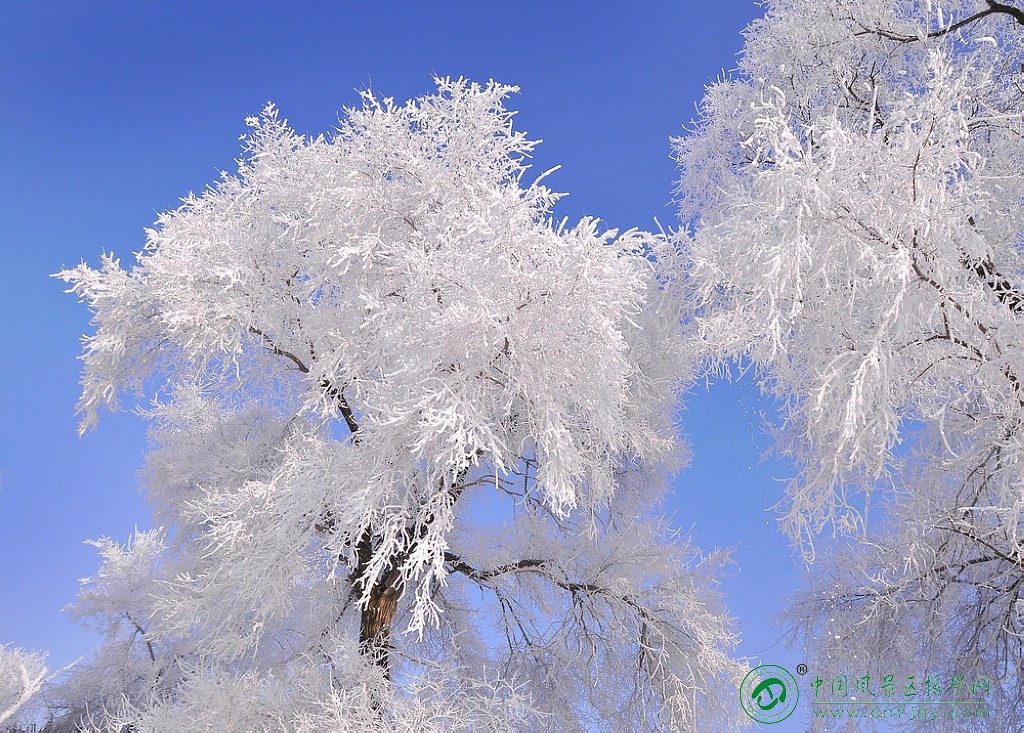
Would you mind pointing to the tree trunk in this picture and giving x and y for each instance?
(375, 624)
(376, 617)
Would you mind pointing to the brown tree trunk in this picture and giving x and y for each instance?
(376, 617)
(375, 622)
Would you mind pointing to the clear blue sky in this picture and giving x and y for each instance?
(114, 110)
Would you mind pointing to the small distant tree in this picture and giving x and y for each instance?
(857, 191)
(409, 441)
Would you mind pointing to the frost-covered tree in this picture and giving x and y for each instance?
(22, 675)
(409, 440)
(857, 193)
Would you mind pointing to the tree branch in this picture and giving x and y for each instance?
(343, 407)
(274, 349)
(337, 394)
(459, 566)
(998, 284)
(142, 633)
(1016, 13)
(994, 8)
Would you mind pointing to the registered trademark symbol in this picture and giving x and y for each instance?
(801, 669)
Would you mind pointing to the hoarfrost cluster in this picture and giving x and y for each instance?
(859, 201)
(346, 344)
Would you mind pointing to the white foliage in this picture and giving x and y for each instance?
(22, 675)
(216, 701)
(342, 345)
(858, 197)
(851, 188)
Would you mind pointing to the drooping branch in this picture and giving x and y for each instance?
(994, 8)
(659, 631)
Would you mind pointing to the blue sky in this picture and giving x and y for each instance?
(112, 111)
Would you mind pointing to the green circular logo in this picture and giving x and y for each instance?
(769, 693)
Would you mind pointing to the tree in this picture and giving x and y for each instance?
(22, 674)
(857, 195)
(389, 394)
